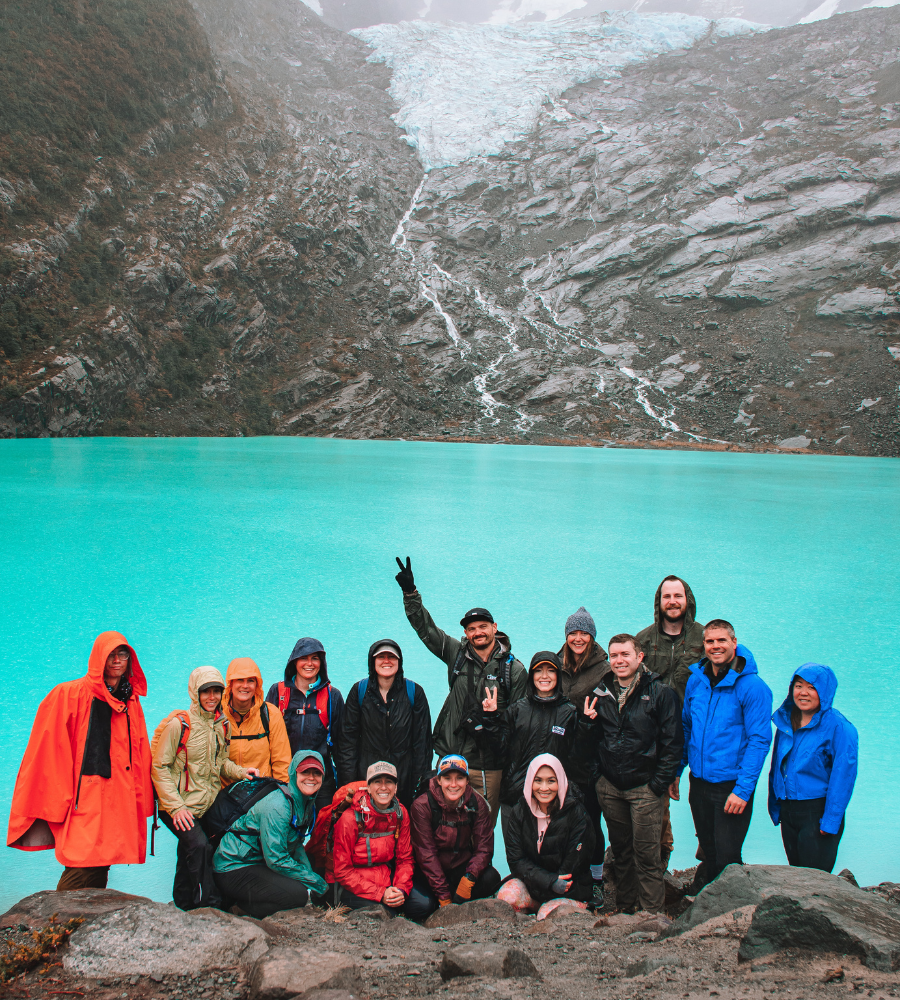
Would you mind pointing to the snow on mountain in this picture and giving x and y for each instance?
(466, 89)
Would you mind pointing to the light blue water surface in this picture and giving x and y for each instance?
(203, 550)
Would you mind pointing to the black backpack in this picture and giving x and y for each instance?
(468, 818)
(235, 801)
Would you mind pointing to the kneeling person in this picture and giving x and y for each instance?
(549, 840)
(453, 841)
(373, 858)
(261, 864)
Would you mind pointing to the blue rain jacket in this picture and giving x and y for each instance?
(817, 761)
(727, 728)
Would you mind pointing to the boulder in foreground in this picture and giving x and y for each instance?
(291, 972)
(155, 939)
(477, 909)
(490, 960)
(36, 910)
(868, 927)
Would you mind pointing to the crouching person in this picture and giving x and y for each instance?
(549, 840)
(373, 858)
(814, 763)
(190, 762)
(261, 864)
(453, 841)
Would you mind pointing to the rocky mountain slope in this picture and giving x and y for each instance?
(699, 248)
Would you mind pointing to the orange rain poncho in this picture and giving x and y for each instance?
(92, 808)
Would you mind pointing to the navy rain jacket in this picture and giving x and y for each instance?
(818, 761)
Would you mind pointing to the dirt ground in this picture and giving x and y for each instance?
(576, 955)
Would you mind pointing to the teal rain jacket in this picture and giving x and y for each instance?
(271, 833)
(728, 728)
(818, 761)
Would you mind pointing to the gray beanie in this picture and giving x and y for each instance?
(581, 621)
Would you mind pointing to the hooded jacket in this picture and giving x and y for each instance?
(392, 730)
(271, 833)
(301, 718)
(464, 836)
(534, 725)
(641, 744)
(84, 784)
(672, 656)
(817, 761)
(454, 731)
(566, 844)
(249, 745)
(728, 728)
(372, 850)
(208, 763)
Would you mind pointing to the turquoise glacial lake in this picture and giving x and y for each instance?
(203, 550)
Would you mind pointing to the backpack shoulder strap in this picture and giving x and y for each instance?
(361, 689)
(411, 691)
(507, 673)
(436, 814)
(284, 697)
(264, 716)
(323, 706)
(458, 662)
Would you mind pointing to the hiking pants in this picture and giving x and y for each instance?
(194, 883)
(259, 891)
(83, 878)
(354, 902)
(804, 845)
(634, 820)
(592, 805)
(423, 902)
(487, 784)
(721, 834)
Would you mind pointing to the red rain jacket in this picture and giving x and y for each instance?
(367, 865)
(90, 820)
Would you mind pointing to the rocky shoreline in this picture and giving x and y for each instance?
(756, 931)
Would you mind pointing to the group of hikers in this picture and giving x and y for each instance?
(298, 795)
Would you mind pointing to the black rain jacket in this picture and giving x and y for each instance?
(398, 730)
(534, 725)
(566, 849)
(642, 744)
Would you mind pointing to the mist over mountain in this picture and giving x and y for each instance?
(624, 228)
(349, 14)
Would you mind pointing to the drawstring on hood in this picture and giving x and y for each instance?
(543, 819)
(306, 647)
(690, 613)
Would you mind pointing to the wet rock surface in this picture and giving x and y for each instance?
(701, 252)
(577, 955)
(34, 911)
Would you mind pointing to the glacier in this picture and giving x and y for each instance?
(464, 90)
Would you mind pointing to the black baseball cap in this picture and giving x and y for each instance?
(476, 615)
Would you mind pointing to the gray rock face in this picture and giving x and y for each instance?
(156, 939)
(492, 961)
(477, 909)
(837, 921)
(34, 911)
(291, 972)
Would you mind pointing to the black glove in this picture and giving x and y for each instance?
(405, 577)
(560, 887)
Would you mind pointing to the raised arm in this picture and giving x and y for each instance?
(444, 646)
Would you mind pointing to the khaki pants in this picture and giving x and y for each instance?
(83, 878)
(487, 784)
(634, 820)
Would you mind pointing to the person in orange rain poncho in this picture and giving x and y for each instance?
(84, 785)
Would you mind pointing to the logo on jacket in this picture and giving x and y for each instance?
(559, 730)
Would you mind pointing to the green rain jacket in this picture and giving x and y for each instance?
(454, 729)
(672, 656)
(271, 833)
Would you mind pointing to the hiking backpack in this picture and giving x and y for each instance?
(363, 686)
(396, 810)
(235, 801)
(505, 677)
(264, 717)
(322, 709)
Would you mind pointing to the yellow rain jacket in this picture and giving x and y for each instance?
(249, 746)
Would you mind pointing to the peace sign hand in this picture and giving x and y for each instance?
(490, 702)
(590, 710)
(405, 577)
